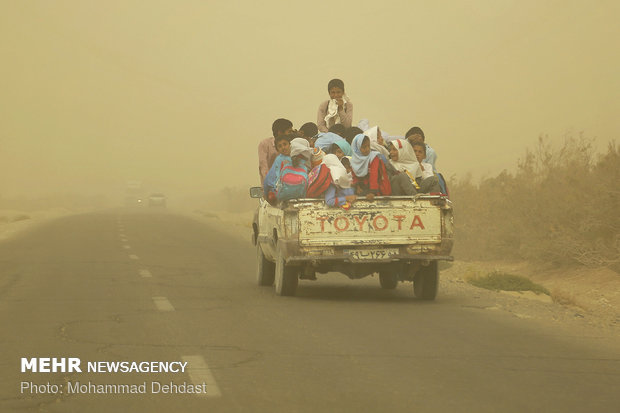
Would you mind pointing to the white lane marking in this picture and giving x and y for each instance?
(199, 373)
(133, 256)
(163, 304)
(145, 273)
(126, 247)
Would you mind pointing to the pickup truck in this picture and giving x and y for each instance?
(400, 238)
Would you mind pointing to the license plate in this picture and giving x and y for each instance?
(374, 254)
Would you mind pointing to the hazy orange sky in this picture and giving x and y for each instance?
(179, 93)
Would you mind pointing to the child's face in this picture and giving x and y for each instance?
(336, 93)
(380, 139)
(420, 153)
(393, 153)
(284, 147)
(338, 152)
(365, 148)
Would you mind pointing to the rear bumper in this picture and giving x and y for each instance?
(298, 260)
(298, 256)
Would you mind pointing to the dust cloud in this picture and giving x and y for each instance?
(178, 94)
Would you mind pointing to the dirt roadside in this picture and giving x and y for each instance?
(579, 296)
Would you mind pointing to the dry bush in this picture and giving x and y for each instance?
(498, 280)
(564, 298)
(20, 217)
(560, 205)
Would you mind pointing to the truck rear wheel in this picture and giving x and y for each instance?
(287, 277)
(426, 282)
(388, 279)
(265, 269)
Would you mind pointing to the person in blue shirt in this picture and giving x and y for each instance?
(283, 146)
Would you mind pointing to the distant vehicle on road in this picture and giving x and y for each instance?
(133, 201)
(157, 200)
(134, 194)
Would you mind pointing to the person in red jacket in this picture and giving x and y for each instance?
(370, 177)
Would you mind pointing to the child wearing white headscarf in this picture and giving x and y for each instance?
(404, 159)
(376, 141)
(301, 152)
(339, 192)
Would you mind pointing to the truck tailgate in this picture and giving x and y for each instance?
(392, 222)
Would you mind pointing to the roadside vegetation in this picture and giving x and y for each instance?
(498, 280)
(560, 206)
(11, 216)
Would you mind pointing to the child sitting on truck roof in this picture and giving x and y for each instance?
(337, 109)
(370, 176)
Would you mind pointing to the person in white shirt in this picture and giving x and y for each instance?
(424, 175)
(416, 134)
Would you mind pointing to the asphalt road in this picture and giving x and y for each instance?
(154, 286)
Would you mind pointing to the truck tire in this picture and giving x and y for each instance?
(287, 277)
(388, 279)
(265, 269)
(426, 282)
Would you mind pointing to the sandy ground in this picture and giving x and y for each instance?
(14, 222)
(585, 292)
(590, 296)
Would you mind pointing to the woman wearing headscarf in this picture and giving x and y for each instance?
(370, 176)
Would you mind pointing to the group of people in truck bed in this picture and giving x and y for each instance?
(343, 163)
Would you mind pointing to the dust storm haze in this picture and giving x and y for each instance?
(178, 94)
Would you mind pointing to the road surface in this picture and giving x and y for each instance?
(149, 286)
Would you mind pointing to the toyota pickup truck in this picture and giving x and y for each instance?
(400, 238)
